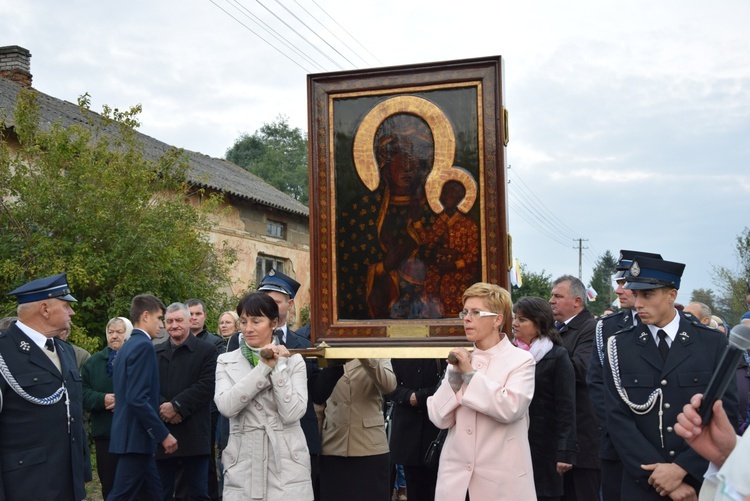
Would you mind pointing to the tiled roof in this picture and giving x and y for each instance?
(209, 172)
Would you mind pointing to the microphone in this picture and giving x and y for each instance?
(739, 341)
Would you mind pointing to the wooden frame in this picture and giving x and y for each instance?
(407, 165)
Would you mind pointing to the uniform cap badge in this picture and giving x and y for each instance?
(635, 269)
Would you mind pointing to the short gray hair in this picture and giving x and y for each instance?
(703, 310)
(576, 289)
(179, 307)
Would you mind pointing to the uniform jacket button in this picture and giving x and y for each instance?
(667, 406)
(664, 382)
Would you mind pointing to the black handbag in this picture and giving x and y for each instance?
(432, 456)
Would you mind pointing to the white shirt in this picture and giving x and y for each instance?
(671, 329)
(39, 339)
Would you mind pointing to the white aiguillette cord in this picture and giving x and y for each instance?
(51, 400)
(640, 409)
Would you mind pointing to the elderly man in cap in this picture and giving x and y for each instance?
(42, 439)
(651, 371)
(606, 327)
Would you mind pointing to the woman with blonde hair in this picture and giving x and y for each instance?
(229, 325)
(483, 401)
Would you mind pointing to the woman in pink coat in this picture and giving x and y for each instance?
(484, 401)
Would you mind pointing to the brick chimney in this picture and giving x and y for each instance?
(15, 64)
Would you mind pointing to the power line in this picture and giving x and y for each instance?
(524, 213)
(331, 32)
(345, 31)
(257, 35)
(298, 34)
(559, 224)
(314, 33)
(250, 15)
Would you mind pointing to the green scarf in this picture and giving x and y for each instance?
(252, 355)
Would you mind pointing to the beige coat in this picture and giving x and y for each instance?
(487, 448)
(353, 424)
(266, 456)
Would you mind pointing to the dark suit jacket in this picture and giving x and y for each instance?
(136, 425)
(608, 326)
(411, 428)
(693, 356)
(211, 338)
(35, 444)
(552, 431)
(578, 339)
(187, 379)
(309, 421)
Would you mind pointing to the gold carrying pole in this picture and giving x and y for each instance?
(335, 355)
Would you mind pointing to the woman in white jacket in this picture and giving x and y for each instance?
(266, 456)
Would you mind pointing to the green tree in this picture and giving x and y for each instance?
(705, 296)
(277, 154)
(84, 200)
(732, 283)
(601, 281)
(533, 284)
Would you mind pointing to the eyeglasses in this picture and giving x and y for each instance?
(476, 313)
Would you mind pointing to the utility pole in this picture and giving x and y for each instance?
(580, 256)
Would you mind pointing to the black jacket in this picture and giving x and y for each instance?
(187, 378)
(552, 431)
(578, 339)
(36, 445)
(610, 325)
(692, 358)
(411, 428)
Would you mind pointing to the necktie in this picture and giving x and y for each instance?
(663, 346)
(559, 325)
(49, 345)
(279, 334)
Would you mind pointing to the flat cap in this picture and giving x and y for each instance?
(54, 287)
(650, 273)
(278, 282)
(626, 259)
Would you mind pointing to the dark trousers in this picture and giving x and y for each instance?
(195, 473)
(360, 478)
(420, 483)
(582, 484)
(315, 475)
(106, 465)
(136, 478)
(611, 480)
(213, 481)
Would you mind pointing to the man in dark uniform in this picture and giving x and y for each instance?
(42, 440)
(606, 327)
(576, 325)
(651, 371)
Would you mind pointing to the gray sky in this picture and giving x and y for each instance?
(629, 121)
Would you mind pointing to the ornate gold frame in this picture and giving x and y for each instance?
(457, 99)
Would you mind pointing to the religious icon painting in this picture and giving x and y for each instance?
(408, 200)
